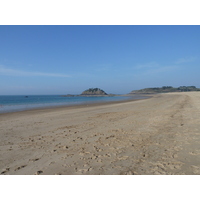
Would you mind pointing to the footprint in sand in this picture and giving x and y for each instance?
(197, 152)
(195, 169)
(174, 165)
(128, 173)
(39, 172)
(35, 159)
(18, 168)
(5, 170)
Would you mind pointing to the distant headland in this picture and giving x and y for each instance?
(165, 89)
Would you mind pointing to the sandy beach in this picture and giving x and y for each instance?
(159, 135)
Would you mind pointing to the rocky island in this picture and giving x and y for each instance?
(90, 92)
(94, 91)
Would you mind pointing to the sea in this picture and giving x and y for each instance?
(13, 103)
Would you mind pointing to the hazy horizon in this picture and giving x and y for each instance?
(44, 60)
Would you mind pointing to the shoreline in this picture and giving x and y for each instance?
(73, 106)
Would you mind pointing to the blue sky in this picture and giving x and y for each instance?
(117, 59)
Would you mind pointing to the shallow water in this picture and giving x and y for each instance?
(12, 103)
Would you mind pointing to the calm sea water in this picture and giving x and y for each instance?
(12, 103)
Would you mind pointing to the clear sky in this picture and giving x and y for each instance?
(117, 59)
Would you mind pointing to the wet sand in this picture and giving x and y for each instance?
(160, 135)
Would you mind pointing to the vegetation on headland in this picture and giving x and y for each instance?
(165, 89)
(94, 91)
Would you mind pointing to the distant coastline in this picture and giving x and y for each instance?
(97, 92)
(165, 89)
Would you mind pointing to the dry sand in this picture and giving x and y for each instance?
(160, 135)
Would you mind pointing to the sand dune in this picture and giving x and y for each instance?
(160, 135)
